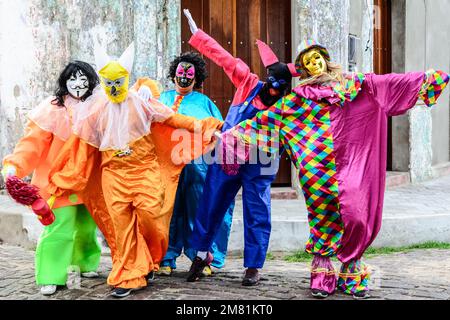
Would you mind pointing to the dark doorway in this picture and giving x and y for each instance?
(382, 42)
(236, 24)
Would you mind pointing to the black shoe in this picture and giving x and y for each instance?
(150, 278)
(251, 277)
(121, 292)
(361, 295)
(196, 270)
(320, 294)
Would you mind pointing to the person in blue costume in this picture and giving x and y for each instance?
(188, 72)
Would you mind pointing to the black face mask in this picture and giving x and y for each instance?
(266, 98)
(279, 78)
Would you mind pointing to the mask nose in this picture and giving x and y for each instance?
(113, 90)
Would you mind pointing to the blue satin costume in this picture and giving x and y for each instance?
(220, 191)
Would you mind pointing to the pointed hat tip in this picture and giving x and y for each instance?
(268, 57)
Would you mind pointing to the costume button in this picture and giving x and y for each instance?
(73, 198)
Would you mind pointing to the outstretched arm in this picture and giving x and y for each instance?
(397, 93)
(182, 138)
(264, 129)
(235, 68)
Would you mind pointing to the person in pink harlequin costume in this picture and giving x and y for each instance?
(334, 127)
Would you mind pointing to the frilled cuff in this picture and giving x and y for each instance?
(354, 277)
(235, 151)
(323, 274)
(433, 85)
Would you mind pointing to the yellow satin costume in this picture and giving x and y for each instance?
(129, 191)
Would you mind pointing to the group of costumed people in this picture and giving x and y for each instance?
(133, 162)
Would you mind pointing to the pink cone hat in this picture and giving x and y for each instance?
(268, 57)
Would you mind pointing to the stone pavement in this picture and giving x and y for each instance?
(419, 274)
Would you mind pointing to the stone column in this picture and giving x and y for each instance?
(419, 117)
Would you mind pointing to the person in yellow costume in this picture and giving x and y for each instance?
(123, 143)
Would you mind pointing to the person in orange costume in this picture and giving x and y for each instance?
(113, 147)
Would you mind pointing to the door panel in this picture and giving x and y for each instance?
(383, 54)
(236, 24)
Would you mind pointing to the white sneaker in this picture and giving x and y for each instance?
(90, 274)
(48, 290)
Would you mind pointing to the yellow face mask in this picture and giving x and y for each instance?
(115, 79)
(314, 62)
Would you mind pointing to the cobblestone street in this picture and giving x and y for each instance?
(419, 274)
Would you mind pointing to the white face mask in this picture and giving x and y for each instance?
(78, 85)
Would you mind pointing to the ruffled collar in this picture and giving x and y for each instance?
(52, 118)
(335, 93)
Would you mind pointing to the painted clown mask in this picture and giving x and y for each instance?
(115, 81)
(185, 74)
(314, 62)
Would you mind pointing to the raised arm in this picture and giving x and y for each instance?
(237, 70)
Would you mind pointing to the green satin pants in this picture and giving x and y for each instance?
(69, 241)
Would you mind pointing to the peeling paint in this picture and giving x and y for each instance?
(325, 21)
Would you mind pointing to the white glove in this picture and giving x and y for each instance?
(145, 93)
(8, 171)
(218, 134)
(191, 21)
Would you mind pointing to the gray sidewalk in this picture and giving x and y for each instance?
(420, 274)
(412, 214)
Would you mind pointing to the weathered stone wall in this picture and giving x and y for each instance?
(330, 22)
(327, 21)
(40, 36)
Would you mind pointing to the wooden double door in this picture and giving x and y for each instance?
(236, 24)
